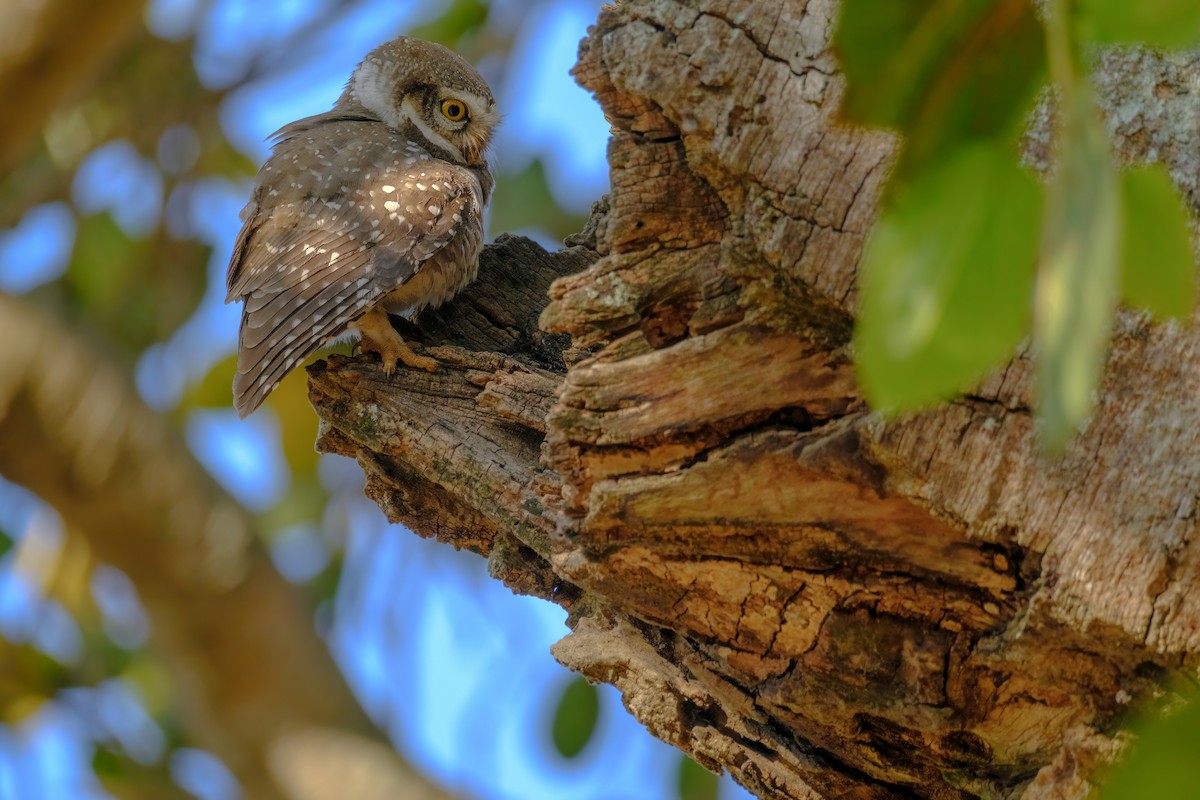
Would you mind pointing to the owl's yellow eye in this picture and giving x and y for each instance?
(454, 110)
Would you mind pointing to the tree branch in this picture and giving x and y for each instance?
(781, 584)
(47, 50)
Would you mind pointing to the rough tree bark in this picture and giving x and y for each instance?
(779, 582)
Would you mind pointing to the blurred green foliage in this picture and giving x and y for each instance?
(948, 285)
(575, 717)
(1160, 23)
(460, 18)
(137, 290)
(1079, 270)
(523, 199)
(695, 782)
(942, 73)
(1156, 260)
(1163, 761)
(948, 278)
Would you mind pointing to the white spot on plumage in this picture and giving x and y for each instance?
(391, 205)
(387, 188)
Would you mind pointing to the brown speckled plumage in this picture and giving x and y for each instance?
(376, 205)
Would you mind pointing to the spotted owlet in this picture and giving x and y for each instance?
(373, 206)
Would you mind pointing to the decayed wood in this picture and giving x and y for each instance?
(780, 583)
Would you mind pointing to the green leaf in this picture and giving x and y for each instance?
(947, 277)
(459, 19)
(695, 782)
(1158, 264)
(941, 71)
(575, 718)
(1162, 23)
(1163, 761)
(1077, 276)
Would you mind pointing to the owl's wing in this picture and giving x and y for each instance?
(308, 267)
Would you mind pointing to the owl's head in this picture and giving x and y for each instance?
(424, 88)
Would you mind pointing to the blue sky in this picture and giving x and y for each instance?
(414, 622)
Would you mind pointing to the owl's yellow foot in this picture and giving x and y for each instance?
(378, 336)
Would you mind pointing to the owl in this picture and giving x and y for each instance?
(371, 208)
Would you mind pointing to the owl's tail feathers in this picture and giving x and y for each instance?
(279, 331)
(263, 362)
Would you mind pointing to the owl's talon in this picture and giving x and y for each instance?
(378, 336)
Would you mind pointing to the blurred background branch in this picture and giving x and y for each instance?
(49, 52)
(255, 684)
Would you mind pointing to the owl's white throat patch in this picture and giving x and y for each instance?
(372, 88)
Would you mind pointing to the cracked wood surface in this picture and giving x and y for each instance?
(781, 584)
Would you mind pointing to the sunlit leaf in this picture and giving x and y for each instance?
(1077, 275)
(1161, 23)
(941, 71)
(1163, 761)
(695, 782)
(1158, 264)
(947, 278)
(575, 718)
